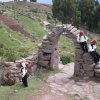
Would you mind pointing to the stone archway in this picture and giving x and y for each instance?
(48, 56)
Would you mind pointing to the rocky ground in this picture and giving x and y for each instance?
(64, 86)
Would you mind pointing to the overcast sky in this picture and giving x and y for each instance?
(40, 1)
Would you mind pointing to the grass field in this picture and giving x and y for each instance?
(18, 92)
(32, 26)
(16, 42)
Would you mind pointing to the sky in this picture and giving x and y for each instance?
(40, 1)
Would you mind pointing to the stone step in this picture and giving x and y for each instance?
(97, 71)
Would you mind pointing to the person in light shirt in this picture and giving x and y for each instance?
(82, 40)
(92, 50)
(24, 73)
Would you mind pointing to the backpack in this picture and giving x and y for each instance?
(80, 37)
(21, 69)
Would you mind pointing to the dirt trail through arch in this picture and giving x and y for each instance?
(63, 86)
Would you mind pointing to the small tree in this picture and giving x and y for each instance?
(87, 12)
(66, 11)
(25, 0)
(33, 0)
(97, 17)
(15, 0)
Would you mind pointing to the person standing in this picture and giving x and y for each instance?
(82, 40)
(92, 50)
(24, 73)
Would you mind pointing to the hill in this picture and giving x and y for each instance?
(29, 6)
(30, 16)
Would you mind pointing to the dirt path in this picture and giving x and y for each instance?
(63, 86)
(46, 93)
(14, 25)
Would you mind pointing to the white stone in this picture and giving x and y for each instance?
(45, 37)
(39, 44)
(76, 32)
(68, 26)
(97, 71)
(73, 30)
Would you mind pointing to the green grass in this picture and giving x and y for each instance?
(66, 50)
(32, 26)
(20, 45)
(66, 47)
(18, 92)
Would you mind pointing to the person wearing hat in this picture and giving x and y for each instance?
(82, 40)
(24, 73)
(92, 50)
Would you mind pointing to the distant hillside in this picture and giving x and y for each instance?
(28, 6)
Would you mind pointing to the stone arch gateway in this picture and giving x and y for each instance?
(48, 56)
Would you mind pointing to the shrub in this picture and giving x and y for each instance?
(66, 59)
(23, 49)
(2, 51)
(10, 55)
(35, 10)
(1, 45)
(23, 54)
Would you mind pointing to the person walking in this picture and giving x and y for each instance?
(92, 50)
(82, 40)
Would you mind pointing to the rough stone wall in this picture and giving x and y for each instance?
(11, 70)
(48, 51)
(48, 56)
(10, 74)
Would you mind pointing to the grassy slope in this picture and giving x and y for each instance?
(32, 26)
(15, 45)
(66, 47)
(18, 92)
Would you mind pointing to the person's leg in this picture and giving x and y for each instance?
(26, 83)
(23, 80)
(82, 46)
(94, 56)
(97, 56)
(85, 46)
